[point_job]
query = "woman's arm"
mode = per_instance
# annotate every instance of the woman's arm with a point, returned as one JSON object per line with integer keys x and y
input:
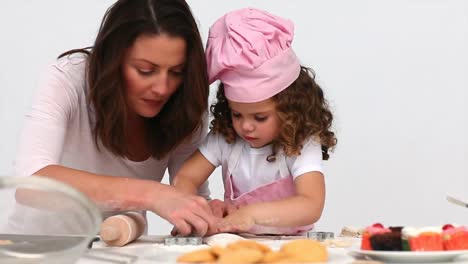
{"x": 193, "y": 173}
{"x": 109, "y": 192}
{"x": 304, "y": 208}
{"x": 120, "y": 193}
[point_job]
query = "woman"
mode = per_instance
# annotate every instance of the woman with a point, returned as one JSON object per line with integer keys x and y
{"x": 110, "y": 119}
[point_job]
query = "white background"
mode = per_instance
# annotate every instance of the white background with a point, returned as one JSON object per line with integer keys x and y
{"x": 395, "y": 74}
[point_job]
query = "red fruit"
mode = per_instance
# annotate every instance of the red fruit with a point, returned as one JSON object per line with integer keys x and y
{"x": 378, "y": 225}
{"x": 447, "y": 227}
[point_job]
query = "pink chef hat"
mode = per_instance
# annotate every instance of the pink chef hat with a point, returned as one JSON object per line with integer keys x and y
{"x": 249, "y": 51}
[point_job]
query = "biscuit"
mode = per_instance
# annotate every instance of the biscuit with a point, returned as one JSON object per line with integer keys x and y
{"x": 202, "y": 255}
{"x": 305, "y": 250}
{"x": 288, "y": 260}
{"x": 218, "y": 251}
{"x": 240, "y": 255}
{"x": 249, "y": 244}
{"x": 273, "y": 256}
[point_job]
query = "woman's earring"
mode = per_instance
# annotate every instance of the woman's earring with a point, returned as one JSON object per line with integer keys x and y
{"x": 271, "y": 158}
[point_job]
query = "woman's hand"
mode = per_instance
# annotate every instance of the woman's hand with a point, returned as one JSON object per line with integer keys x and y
{"x": 219, "y": 209}
{"x": 189, "y": 214}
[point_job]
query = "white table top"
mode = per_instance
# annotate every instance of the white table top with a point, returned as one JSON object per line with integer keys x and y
{"x": 151, "y": 249}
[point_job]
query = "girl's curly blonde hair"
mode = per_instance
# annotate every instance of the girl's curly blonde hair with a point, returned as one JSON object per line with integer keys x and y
{"x": 302, "y": 110}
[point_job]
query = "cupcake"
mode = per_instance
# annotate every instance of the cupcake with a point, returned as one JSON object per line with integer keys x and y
{"x": 388, "y": 241}
{"x": 371, "y": 231}
{"x": 455, "y": 238}
{"x": 422, "y": 239}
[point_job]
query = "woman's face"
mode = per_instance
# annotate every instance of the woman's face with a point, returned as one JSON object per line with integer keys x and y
{"x": 153, "y": 69}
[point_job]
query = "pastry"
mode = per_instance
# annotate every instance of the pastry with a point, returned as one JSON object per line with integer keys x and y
{"x": 222, "y": 239}
{"x": 455, "y": 238}
{"x": 423, "y": 239}
{"x": 370, "y": 231}
{"x": 389, "y": 241}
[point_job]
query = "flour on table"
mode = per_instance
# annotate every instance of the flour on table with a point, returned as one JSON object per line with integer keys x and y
{"x": 180, "y": 248}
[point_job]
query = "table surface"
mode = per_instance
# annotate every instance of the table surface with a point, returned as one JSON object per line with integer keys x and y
{"x": 151, "y": 249}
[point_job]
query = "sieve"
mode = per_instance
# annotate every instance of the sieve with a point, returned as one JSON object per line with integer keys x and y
{"x": 44, "y": 221}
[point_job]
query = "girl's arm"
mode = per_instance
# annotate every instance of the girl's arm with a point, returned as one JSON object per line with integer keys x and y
{"x": 304, "y": 208}
{"x": 193, "y": 173}
{"x": 183, "y": 153}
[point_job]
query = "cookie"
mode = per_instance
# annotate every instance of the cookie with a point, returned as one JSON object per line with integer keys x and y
{"x": 240, "y": 255}
{"x": 218, "y": 251}
{"x": 202, "y": 255}
{"x": 249, "y": 244}
{"x": 273, "y": 256}
{"x": 305, "y": 250}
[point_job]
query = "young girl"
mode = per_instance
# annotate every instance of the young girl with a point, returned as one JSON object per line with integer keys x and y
{"x": 270, "y": 131}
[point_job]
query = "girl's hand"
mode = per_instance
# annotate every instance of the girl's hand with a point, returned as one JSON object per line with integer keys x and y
{"x": 241, "y": 220}
{"x": 220, "y": 208}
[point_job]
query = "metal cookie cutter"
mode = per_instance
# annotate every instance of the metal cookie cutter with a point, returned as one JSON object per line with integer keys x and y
{"x": 182, "y": 241}
{"x": 320, "y": 236}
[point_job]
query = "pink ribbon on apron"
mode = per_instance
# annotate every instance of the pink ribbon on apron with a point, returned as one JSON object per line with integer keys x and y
{"x": 277, "y": 190}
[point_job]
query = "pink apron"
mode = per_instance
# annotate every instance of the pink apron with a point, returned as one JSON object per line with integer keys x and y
{"x": 277, "y": 190}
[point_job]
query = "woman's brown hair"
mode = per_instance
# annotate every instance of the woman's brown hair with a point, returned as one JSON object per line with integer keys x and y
{"x": 183, "y": 114}
{"x": 302, "y": 110}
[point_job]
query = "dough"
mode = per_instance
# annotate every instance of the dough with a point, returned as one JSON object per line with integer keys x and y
{"x": 222, "y": 239}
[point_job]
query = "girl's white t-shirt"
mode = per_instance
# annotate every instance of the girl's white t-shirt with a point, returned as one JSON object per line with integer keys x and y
{"x": 58, "y": 131}
{"x": 253, "y": 170}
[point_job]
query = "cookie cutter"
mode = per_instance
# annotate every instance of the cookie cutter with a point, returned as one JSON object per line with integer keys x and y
{"x": 183, "y": 241}
{"x": 320, "y": 236}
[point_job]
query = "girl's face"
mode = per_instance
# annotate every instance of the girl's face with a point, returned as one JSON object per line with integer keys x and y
{"x": 257, "y": 123}
{"x": 153, "y": 69}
